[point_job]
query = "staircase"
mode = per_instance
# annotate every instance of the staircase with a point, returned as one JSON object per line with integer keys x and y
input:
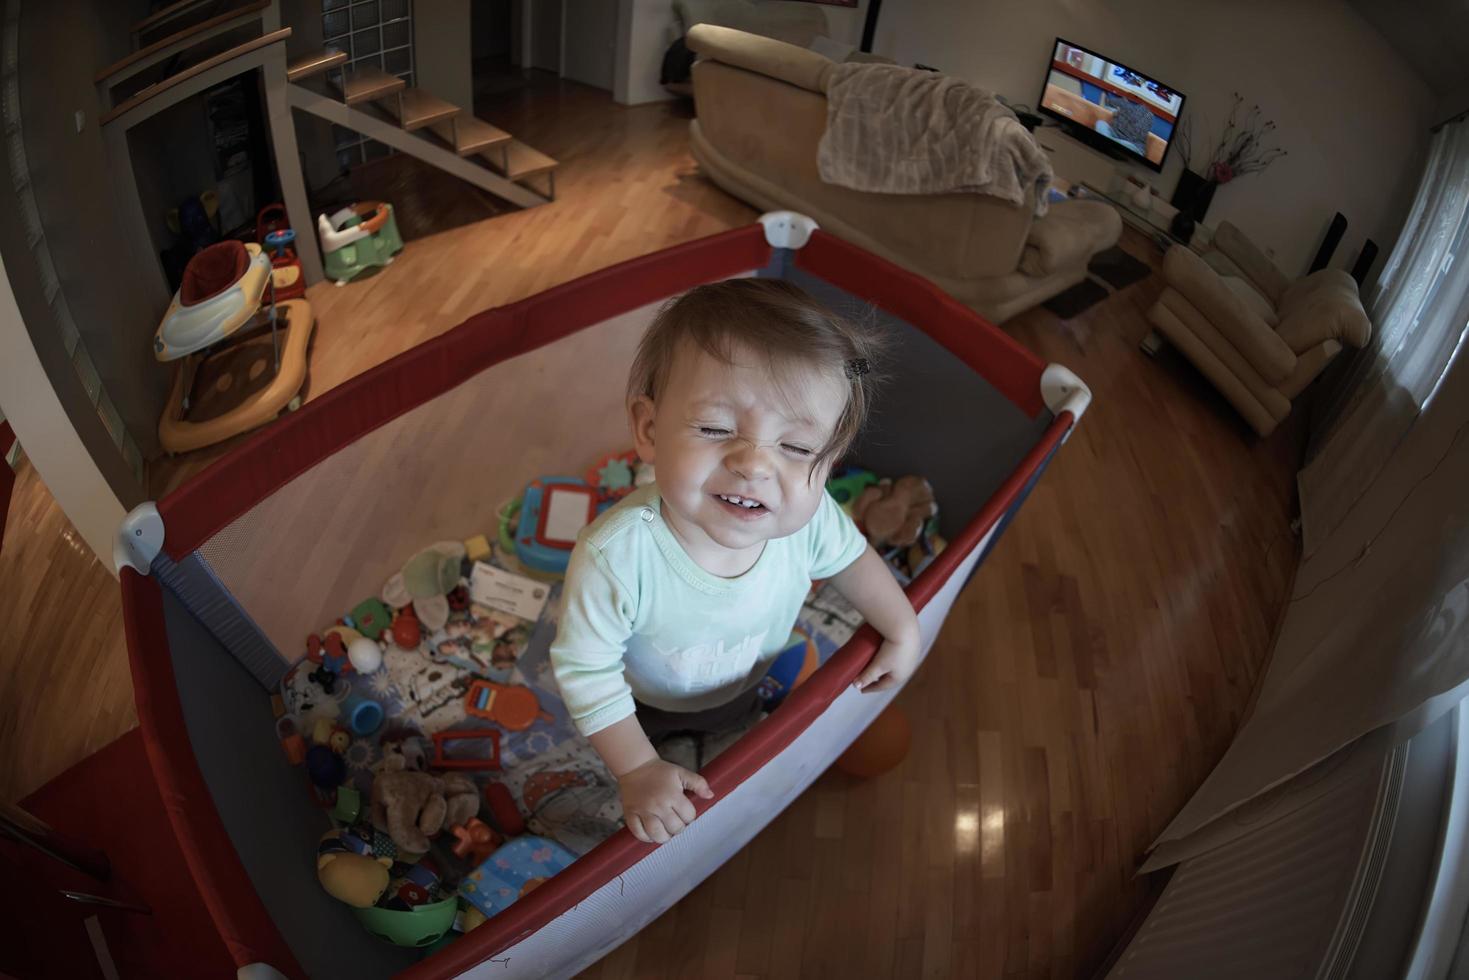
{"x": 191, "y": 45}
{"x": 414, "y": 121}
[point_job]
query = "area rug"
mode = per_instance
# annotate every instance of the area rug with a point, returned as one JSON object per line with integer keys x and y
{"x": 1076, "y": 300}
{"x": 1117, "y": 269}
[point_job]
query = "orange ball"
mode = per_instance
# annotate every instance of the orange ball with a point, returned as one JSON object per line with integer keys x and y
{"x": 881, "y": 747}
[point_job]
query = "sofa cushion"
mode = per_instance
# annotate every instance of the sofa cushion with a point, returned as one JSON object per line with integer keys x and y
{"x": 1070, "y": 234}
{"x": 777, "y": 59}
{"x": 1256, "y": 264}
{"x": 793, "y": 23}
{"x": 1252, "y": 298}
{"x": 1323, "y": 306}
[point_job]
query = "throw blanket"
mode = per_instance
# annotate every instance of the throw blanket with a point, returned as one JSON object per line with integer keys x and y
{"x": 904, "y": 131}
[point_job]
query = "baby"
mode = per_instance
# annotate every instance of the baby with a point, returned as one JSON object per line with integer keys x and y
{"x": 742, "y": 395}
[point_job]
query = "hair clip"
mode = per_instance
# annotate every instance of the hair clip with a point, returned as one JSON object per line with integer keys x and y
{"x": 857, "y": 367}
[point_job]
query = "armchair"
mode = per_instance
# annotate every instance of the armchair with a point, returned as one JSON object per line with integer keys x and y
{"x": 1257, "y": 336}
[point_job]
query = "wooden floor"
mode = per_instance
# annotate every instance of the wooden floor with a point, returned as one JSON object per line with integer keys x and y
{"x": 1085, "y": 683}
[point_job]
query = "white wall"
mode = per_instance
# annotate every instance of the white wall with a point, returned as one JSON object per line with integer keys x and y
{"x": 441, "y": 51}
{"x": 645, "y": 29}
{"x": 1351, "y": 112}
{"x": 45, "y": 432}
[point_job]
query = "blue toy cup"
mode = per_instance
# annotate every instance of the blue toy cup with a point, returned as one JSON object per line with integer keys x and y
{"x": 362, "y": 715}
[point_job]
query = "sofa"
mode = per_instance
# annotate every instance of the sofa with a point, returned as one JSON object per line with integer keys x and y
{"x": 761, "y": 107}
{"x": 799, "y": 23}
{"x": 1258, "y": 337}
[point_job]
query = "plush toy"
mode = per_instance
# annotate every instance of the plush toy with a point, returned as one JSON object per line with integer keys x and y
{"x": 349, "y": 875}
{"x": 414, "y": 806}
{"x": 894, "y": 512}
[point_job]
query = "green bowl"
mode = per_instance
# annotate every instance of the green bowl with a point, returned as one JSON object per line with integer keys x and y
{"x": 422, "y": 926}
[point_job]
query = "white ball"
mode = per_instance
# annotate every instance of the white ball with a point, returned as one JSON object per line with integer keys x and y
{"x": 365, "y": 655}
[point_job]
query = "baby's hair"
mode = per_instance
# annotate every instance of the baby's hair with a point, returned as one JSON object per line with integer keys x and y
{"x": 774, "y": 319}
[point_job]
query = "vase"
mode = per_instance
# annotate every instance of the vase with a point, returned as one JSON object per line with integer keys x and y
{"x": 1193, "y": 194}
{"x": 1182, "y": 225}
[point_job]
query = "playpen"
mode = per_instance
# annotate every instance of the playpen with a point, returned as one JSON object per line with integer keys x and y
{"x": 231, "y": 571}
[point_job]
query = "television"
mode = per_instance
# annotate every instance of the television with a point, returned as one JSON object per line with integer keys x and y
{"x": 1109, "y": 106}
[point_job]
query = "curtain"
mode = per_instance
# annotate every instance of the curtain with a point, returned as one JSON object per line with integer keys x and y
{"x": 1419, "y": 313}
{"x": 1375, "y": 641}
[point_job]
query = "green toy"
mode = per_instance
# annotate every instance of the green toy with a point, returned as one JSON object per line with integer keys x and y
{"x": 846, "y": 486}
{"x": 370, "y": 617}
{"x": 358, "y": 237}
{"x": 421, "y": 926}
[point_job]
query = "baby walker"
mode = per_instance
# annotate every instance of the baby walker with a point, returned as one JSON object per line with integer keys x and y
{"x": 357, "y": 238}
{"x": 219, "y": 299}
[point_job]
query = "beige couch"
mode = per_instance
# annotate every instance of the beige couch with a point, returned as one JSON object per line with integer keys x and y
{"x": 1260, "y": 338}
{"x": 761, "y": 114}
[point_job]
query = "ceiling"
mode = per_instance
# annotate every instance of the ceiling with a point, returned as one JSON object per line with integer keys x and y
{"x": 1432, "y": 36}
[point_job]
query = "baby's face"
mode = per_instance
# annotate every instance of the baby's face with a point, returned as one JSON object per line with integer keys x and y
{"x": 733, "y": 449}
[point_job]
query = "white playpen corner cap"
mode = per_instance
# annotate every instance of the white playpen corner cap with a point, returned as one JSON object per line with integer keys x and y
{"x": 1063, "y": 391}
{"x": 787, "y": 229}
{"x": 139, "y": 539}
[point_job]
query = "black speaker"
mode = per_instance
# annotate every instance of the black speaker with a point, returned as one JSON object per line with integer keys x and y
{"x": 1330, "y": 242}
{"x": 1365, "y": 258}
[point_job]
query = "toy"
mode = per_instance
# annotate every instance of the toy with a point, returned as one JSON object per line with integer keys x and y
{"x": 364, "y": 715}
{"x": 222, "y": 291}
{"x": 615, "y": 476}
{"x": 290, "y": 738}
{"x": 414, "y": 806}
{"x": 513, "y": 871}
{"x": 470, "y": 918}
{"x": 414, "y": 928}
{"x": 880, "y": 748}
{"x": 372, "y": 616}
{"x": 348, "y": 806}
{"x": 477, "y": 548}
{"x": 442, "y": 760}
{"x": 277, "y": 705}
{"x": 402, "y": 750}
{"x": 503, "y": 812}
{"x": 474, "y": 840}
{"x": 412, "y": 886}
{"x": 552, "y": 511}
{"x": 330, "y": 734}
{"x": 347, "y": 874}
{"x": 406, "y": 631}
{"x": 796, "y": 662}
{"x": 356, "y": 238}
{"x": 895, "y": 512}
{"x": 513, "y": 707}
{"x": 363, "y": 654}
{"x": 273, "y": 230}
{"x": 325, "y": 768}
{"x": 330, "y": 653}
{"x": 848, "y": 484}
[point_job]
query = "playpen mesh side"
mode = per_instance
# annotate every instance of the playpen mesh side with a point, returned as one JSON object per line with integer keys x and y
{"x": 264, "y": 804}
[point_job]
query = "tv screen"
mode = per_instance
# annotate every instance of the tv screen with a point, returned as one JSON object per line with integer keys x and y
{"x": 1109, "y": 105}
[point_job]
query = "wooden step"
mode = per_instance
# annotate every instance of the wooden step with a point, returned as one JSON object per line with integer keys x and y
{"x": 419, "y": 109}
{"x": 519, "y": 161}
{"x": 473, "y": 134}
{"x": 314, "y": 64}
{"x": 369, "y": 84}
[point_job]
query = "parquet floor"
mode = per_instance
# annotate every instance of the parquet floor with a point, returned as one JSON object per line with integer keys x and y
{"x": 1085, "y": 683}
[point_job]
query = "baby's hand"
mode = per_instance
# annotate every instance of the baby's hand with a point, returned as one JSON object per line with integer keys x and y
{"x": 894, "y": 664}
{"x": 653, "y": 800}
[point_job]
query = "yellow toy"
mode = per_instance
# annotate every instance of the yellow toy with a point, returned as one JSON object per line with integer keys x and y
{"x": 477, "y": 547}
{"x": 348, "y": 876}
